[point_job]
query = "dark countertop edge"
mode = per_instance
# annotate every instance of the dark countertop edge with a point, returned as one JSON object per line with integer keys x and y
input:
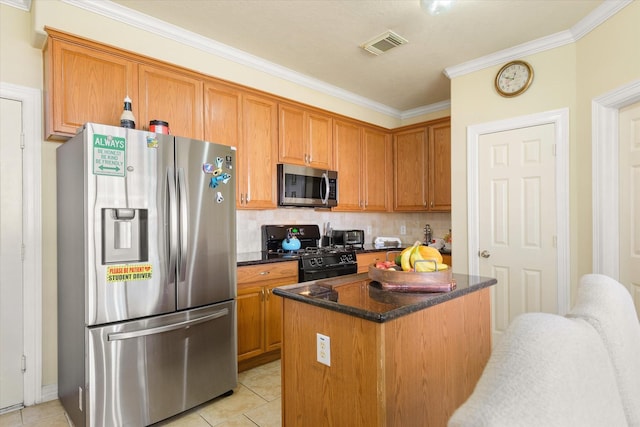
{"x": 479, "y": 283}
{"x": 256, "y": 258}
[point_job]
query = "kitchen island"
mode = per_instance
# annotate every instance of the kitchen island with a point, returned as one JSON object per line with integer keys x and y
{"x": 391, "y": 359}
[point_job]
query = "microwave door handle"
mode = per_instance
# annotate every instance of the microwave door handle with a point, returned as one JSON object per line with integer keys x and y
{"x": 172, "y": 213}
{"x": 325, "y": 199}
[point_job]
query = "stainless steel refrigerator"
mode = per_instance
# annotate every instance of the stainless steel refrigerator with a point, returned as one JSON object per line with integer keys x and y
{"x": 146, "y": 275}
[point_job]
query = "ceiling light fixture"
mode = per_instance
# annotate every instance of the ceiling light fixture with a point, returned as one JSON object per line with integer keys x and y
{"x": 435, "y": 7}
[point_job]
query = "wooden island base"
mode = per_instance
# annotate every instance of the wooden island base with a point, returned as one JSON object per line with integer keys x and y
{"x": 414, "y": 370}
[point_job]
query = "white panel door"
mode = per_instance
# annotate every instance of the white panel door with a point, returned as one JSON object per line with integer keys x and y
{"x": 517, "y": 221}
{"x": 11, "y": 281}
{"x": 629, "y": 174}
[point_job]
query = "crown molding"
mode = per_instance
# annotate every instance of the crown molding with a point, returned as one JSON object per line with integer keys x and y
{"x": 599, "y": 15}
{"x": 20, "y": 4}
{"x": 426, "y": 109}
{"x": 172, "y": 32}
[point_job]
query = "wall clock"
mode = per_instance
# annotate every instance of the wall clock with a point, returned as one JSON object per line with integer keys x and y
{"x": 514, "y": 78}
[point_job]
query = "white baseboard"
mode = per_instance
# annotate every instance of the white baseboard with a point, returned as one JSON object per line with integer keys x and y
{"x": 49, "y": 392}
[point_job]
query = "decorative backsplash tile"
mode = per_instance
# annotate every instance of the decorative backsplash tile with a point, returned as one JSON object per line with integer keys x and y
{"x": 382, "y": 224}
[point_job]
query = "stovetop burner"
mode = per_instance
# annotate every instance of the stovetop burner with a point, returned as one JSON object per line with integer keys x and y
{"x": 314, "y": 262}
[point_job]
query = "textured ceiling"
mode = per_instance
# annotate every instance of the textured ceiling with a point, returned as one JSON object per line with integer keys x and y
{"x": 321, "y": 38}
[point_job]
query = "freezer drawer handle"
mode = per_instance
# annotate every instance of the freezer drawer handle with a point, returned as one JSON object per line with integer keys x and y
{"x": 160, "y": 329}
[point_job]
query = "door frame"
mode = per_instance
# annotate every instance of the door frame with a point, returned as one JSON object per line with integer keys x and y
{"x": 559, "y": 118}
{"x": 604, "y": 187}
{"x": 31, "y": 100}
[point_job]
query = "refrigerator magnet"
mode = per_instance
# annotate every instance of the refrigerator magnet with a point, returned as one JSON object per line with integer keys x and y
{"x": 152, "y": 141}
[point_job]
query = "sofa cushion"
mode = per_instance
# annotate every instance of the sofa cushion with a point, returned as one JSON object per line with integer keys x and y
{"x": 607, "y": 305}
{"x": 547, "y": 370}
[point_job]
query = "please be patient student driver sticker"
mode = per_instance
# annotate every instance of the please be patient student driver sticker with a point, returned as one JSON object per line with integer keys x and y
{"x": 129, "y": 272}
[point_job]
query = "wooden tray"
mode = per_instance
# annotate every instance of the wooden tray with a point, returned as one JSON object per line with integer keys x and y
{"x": 413, "y": 281}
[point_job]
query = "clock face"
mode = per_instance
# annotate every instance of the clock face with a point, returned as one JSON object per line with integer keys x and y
{"x": 514, "y": 78}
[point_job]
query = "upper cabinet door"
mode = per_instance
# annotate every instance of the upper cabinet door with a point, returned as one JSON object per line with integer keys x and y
{"x": 258, "y": 153}
{"x": 320, "y": 140}
{"x": 440, "y": 167}
{"x": 409, "y": 150}
{"x": 348, "y": 160}
{"x": 292, "y": 145}
{"x": 171, "y": 96}
{"x": 85, "y": 85}
{"x": 377, "y": 169}
{"x": 222, "y": 114}
{"x": 304, "y": 137}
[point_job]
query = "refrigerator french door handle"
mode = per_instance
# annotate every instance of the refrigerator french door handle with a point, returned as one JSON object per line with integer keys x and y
{"x": 173, "y": 223}
{"x": 117, "y": 336}
{"x": 325, "y": 199}
{"x": 184, "y": 223}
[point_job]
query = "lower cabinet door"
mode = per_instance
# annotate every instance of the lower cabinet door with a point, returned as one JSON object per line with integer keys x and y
{"x": 250, "y": 323}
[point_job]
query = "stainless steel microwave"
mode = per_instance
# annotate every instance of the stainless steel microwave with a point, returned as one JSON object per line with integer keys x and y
{"x": 306, "y": 187}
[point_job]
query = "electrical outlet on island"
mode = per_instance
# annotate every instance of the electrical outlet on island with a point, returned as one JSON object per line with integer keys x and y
{"x": 323, "y": 349}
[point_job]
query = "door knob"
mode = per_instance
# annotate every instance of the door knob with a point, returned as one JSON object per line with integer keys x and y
{"x": 484, "y": 254}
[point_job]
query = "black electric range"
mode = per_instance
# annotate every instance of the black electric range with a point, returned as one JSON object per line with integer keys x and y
{"x": 314, "y": 262}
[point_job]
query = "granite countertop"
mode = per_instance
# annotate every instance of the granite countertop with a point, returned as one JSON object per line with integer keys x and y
{"x": 359, "y": 296}
{"x": 259, "y": 257}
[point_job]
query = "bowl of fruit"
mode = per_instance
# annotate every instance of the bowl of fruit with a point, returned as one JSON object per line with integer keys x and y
{"x": 417, "y": 268}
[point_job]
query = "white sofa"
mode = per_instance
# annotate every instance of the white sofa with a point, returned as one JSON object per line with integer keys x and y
{"x": 582, "y": 369}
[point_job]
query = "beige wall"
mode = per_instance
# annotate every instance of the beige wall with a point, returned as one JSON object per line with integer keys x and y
{"x": 566, "y": 77}
{"x": 608, "y": 58}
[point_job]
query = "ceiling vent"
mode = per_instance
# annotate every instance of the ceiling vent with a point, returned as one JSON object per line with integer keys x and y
{"x": 383, "y": 43}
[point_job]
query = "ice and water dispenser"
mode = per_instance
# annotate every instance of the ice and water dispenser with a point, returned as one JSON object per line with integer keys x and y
{"x": 124, "y": 235}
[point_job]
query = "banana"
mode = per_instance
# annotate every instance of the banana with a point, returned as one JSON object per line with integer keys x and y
{"x": 415, "y": 257}
{"x": 421, "y": 258}
{"x": 405, "y": 259}
{"x": 405, "y": 256}
{"x": 429, "y": 266}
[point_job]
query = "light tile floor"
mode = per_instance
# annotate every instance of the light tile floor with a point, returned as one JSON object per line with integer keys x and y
{"x": 255, "y": 402}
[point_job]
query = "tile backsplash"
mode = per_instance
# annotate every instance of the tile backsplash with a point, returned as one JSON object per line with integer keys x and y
{"x": 380, "y": 224}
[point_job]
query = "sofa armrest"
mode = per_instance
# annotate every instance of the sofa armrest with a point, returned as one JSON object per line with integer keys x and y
{"x": 607, "y": 305}
{"x": 547, "y": 370}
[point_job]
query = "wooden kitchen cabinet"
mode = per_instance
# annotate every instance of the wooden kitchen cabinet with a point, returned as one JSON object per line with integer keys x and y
{"x": 413, "y": 370}
{"x": 304, "y": 137}
{"x": 257, "y": 153}
{"x": 422, "y": 169}
{"x": 236, "y": 117}
{"x": 362, "y": 159}
{"x": 377, "y": 170}
{"x": 367, "y": 258}
{"x": 348, "y": 163}
{"x": 222, "y": 114}
{"x": 173, "y": 96}
{"x": 85, "y": 83}
{"x": 439, "y": 156}
{"x": 260, "y": 312}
